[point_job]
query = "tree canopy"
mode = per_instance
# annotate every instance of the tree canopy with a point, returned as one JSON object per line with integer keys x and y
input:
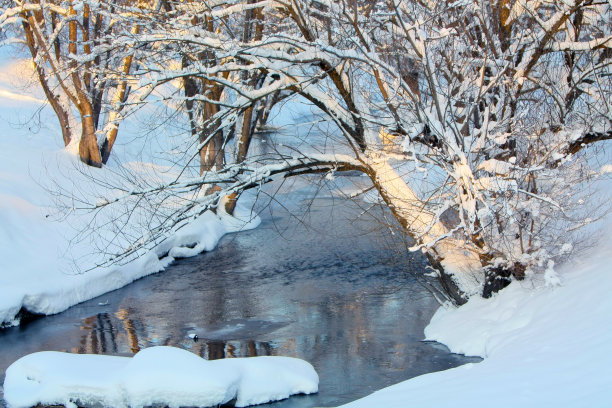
{"x": 491, "y": 105}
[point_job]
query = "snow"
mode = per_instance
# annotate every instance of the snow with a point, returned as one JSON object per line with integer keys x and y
{"x": 37, "y": 270}
{"x": 495, "y": 167}
{"x": 544, "y": 343}
{"x": 44, "y": 256}
{"x": 154, "y": 376}
{"x": 543, "y": 346}
{"x": 606, "y": 168}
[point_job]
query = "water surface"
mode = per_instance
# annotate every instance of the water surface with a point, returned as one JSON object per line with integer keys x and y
{"x": 319, "y": 282}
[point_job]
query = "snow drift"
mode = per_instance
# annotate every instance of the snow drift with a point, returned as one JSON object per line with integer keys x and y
{"x": 165, "y": 376}
{"x": 45, "y": 256}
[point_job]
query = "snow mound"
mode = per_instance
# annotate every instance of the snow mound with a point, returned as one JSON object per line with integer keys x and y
{"x": 156, "y": 376}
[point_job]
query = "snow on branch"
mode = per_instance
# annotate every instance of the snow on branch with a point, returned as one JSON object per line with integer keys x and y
{"x": 194, "y": 201}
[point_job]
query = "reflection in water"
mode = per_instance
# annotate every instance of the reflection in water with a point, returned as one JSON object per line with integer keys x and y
{"x": 99, "y": 336}
{"x": 102, "y": 333}
{"x": 124, "y": 316}
{"x": 334, "y": 299}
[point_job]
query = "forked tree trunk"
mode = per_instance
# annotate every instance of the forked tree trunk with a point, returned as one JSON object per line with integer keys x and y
{"x": 81, "y": 94}
{"x": 89, "y": 152}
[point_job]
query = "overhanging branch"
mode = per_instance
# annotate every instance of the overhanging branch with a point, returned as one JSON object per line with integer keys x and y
{"x": 587, "y": 139}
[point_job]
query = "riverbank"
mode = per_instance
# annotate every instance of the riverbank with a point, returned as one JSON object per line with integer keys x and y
{"x": 543, "y": 347}
{"x": 46, "y": 254}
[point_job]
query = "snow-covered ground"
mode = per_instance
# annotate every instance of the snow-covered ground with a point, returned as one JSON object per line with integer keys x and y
{"x": 43, "y": 253}
{"x": 543, "y": 347}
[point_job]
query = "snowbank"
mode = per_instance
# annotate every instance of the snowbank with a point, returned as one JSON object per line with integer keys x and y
{"x": 157, "y": 376}
{"x": 41, "y": 257}
{"x": 44, "y": 255}
{"x": 543, "y": 347}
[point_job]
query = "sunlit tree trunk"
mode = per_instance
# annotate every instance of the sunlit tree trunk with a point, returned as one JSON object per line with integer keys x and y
{"x": 57, "y": 35}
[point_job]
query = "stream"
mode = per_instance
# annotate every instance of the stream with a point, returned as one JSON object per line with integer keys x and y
{"x": 318, "y": 280}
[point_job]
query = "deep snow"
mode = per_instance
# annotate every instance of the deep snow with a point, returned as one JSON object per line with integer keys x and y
{"x": 43, "y": 259}
{"x": 543, "y": 347}
{"x": 44, "y": 254}
{"x": 156, "y": 376}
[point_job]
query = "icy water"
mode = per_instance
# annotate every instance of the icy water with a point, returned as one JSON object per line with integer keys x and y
{"x": 318, "y": 283}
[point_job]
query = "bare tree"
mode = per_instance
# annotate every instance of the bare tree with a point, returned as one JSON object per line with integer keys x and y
{"x": 79, "y": 72}
{"x": 205, "y": 75}
{"x": 472, "y": 120}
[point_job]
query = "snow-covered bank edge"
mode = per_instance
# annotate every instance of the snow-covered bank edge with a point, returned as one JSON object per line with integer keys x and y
{"x": 203, "y": 234}
{"x": 543, "y": 347}
{"x": 43, "y": 257}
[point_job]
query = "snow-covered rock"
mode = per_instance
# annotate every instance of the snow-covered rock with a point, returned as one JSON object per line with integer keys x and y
{"x": 154, "y": 376}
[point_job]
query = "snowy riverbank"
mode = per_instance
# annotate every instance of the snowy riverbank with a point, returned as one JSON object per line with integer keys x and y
{"x": 543, "y": 347}
{"x": 44, "y": 253}
{"x": 43, "y": 256}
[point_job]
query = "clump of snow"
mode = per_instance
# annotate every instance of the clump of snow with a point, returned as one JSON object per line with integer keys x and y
{"x": 606, "y": 168}
{"x": 543, "y": 346}
{"x": 495, "y": 166}
{"x": 271, "y": 378}
{"x": 165, "y": 376}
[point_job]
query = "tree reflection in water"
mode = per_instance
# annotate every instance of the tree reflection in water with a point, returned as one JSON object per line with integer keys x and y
{"x": 123, "y": 333}
{"x": 334, "y": 298}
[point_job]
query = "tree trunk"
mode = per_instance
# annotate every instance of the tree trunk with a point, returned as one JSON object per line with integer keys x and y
{"x": 242, "y": 149}
{"x": 457, "y": 261}
{"x": 119, "y": 98}
{"x": 212, "y": 155}
{"x": 109, "y": 141}
{"x": 449, "y": 286}
{"x": 89, "y": 152}
{"x": 61, "y": 113}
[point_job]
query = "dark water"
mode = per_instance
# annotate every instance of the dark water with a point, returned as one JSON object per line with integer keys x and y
{"x": 322, "y": 285}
